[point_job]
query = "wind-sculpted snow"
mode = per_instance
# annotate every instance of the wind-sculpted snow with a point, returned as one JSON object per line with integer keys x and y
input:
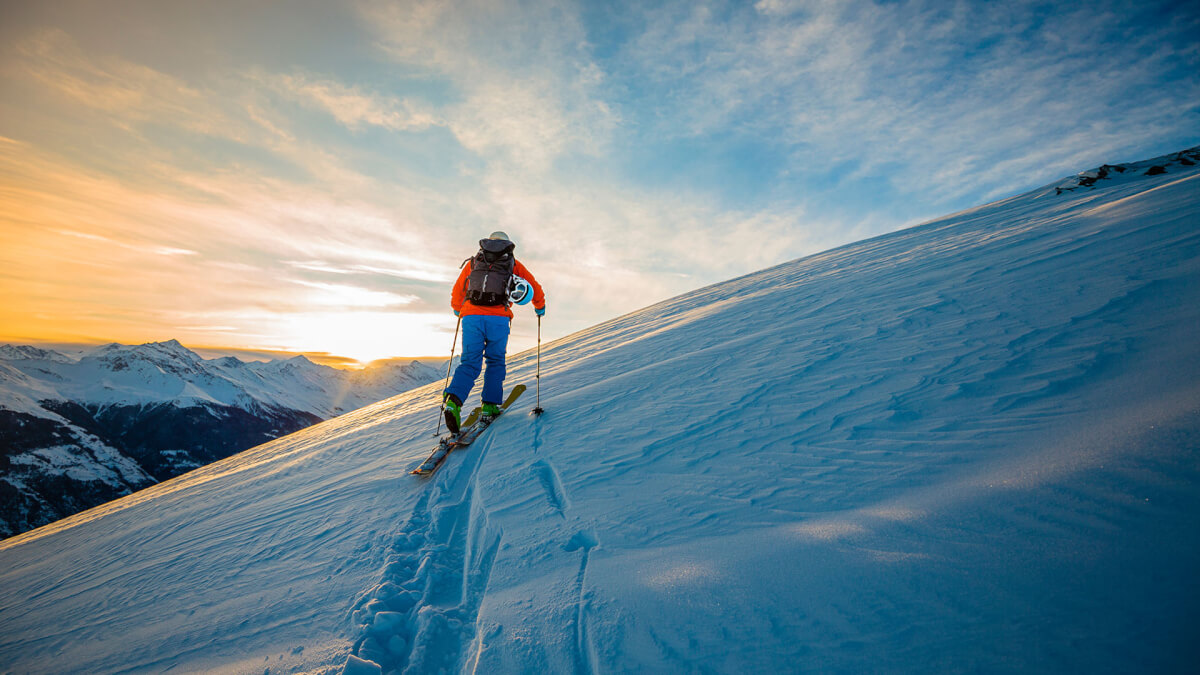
{"x": 968, "y": 446}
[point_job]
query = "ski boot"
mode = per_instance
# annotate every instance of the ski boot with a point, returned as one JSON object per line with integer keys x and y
{"x": 452, "y": 408}
{"x": 488, "y": 412}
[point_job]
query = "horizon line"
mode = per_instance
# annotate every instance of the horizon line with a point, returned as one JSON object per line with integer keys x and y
{"x": 211, "y": 352}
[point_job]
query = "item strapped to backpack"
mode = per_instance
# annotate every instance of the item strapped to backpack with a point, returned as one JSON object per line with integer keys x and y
{"x": 519, "y": 291}
{"x": 491, "y": 271}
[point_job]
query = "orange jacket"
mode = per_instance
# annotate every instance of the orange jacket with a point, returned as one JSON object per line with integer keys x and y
{"x": 458, "y": 296}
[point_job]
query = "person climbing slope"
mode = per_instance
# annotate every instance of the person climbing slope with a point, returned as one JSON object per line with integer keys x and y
{"x": 490, "y": 282}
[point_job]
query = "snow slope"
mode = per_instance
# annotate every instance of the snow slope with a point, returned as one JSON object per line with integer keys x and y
{"x": 968, "y": 446}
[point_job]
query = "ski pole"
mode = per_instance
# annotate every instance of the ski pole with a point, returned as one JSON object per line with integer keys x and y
{"x": 453, "y": 344}
{"x": 538, "y": 410}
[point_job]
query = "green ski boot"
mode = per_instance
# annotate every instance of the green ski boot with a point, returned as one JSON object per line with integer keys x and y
{"x": 452, "y": 408}
{"x": 489, "y": 412}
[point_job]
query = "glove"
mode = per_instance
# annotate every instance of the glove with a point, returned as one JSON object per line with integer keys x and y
{"x": 456, "y": 312}
{"x": 540, "y": 311}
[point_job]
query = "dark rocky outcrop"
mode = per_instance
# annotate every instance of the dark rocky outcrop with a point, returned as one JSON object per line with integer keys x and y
{"x": 1154, "y": 167}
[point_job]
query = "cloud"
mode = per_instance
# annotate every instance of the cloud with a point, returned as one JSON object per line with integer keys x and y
{"x": 349, "y": 297}
{"x": 531, "y": 98}
{"x": 88, "y": 255}
{"x": 142, "y": 248}
{"x": 930, "y": 95}
{"x": 128, "y": 92}
{"x": 409, "y": 268}
{"x": 354, "y": 107}
{"x": 529, "y": 91}
{"x": 635, "y": 151}
{"x": 605, "y": 250}
{"x": 936, "y": 104}
{"x": 526, "y": 120}
{"x": 163, "y": 223}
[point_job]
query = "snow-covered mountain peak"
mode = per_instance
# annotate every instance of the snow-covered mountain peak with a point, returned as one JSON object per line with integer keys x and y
{"x": 170, "y": 346}
{"x": 152, "y": 361}
{"x": 169, "y": 349}
{"x": 158, "y": 405}
{"x": 168, "y": 371}
{"x": 228, "y": 362}
{"x": 295, "y": 364}
{"x": 30, "y": 353}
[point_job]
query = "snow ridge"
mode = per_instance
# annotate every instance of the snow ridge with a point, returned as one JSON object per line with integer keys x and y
{"x": 1159, "y": 166}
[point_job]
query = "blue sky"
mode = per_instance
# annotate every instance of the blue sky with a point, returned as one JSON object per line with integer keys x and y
{"x": 307, "y": 176}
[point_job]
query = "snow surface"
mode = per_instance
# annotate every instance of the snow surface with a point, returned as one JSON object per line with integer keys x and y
{"x": 103, "y": 463}
{"x": 21, "y": 393}
{"x": 968, "y": 446}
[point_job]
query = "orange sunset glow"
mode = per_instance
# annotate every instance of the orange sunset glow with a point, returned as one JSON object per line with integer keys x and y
{"x": 91, "y": 258}
{"x": 308, "y": 178}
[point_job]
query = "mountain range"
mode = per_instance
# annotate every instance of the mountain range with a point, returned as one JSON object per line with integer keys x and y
{"x": 76, "y": 432}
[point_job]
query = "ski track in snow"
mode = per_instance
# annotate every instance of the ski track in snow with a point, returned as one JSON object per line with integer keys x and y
{"x": 421, "y": 617}
{"x": 556, "y": 496}
{"x": 583, "y": 542}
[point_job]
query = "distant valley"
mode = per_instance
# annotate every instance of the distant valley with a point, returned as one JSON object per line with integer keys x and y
{"x": 76, "y": 432}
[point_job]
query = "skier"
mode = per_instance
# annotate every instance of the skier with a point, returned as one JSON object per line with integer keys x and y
{"x": 489, "y": 284}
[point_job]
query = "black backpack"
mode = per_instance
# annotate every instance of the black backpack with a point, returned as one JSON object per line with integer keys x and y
{"x": 491, "y": 271}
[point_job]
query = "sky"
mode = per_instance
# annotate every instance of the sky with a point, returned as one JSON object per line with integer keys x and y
{"x": 308, "y": 176}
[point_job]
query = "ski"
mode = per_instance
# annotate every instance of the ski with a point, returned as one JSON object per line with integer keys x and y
{"x": 470, "y": 430}
{"x": 470, "y": 421}
{"x": 446, "y": 444}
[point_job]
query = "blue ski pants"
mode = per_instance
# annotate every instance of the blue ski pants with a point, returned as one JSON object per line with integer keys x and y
{"x": 483, "y": 338}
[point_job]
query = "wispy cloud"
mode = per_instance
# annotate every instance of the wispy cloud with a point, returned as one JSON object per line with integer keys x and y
{"x": 531, "y": 97}
{"x": 929, "y": 95}
{"x": 354, "y": 107}
{"x": 528, "y": 89}
{"x": 128, "y": 92}
{"x": 347, "y": 296}
{"x": 87, "y": 255}
{"x": 634, "y": 151}
{"x": 142, "y": 248}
